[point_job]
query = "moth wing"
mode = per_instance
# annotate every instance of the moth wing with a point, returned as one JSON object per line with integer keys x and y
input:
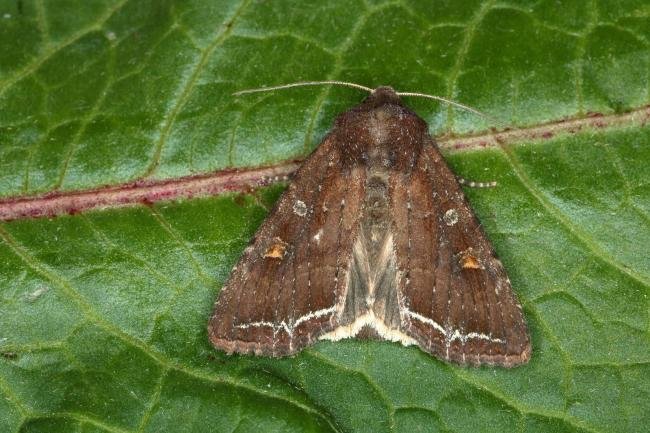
{"x": 455, "y": 298}
{"x": 286, "y": 288}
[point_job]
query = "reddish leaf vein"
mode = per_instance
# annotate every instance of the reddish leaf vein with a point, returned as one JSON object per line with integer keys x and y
{"x": 244, "y": 180}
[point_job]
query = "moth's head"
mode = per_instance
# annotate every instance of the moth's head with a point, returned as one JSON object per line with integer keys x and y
{"x": 380, "y": 96}
{"x": 381, "y": 131}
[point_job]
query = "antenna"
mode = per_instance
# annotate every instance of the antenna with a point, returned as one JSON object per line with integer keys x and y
{"x": 450, "y": 102}
{"x": 304, "y": 84}
{"x": 369, "y": 90}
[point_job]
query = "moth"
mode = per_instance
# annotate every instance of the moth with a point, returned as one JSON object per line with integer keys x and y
{"x": 373, "y": 238}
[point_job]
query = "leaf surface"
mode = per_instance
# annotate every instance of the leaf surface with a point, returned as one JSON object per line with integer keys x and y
{"x": 103, "y": 313}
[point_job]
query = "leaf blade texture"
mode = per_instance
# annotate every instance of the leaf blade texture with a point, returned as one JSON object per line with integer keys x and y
{"x": 106, "y": 309}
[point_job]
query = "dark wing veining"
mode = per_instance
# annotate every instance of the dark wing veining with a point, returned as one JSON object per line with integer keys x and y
{"x": 455, "y": 298}
{"x": 277, "y": 301}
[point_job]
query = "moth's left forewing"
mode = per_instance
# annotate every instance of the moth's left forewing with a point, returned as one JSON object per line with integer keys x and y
{"x": 288, "y": 285}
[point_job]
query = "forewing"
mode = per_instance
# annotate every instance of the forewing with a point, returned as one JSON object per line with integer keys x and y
{"x": 288, "y": 285}
{"x": 455, "y": 298}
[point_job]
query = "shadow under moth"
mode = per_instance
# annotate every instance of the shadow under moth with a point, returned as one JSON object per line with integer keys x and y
{"x": 373, "y": 238}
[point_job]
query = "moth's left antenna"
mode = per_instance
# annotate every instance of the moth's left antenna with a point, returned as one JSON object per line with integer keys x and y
{"x": 303, "y": 84}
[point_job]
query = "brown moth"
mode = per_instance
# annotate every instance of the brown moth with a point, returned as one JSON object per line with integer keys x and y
{"x": 373, "y": 237}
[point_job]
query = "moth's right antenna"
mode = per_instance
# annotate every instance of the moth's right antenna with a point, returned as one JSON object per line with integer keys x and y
{"x": 454, "y": 103}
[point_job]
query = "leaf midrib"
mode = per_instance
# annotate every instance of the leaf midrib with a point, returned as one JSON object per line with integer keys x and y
{"x": 224, "y": 180}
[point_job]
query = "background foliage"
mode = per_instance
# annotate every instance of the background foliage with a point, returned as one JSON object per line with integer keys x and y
{"x": 103, "y": 314}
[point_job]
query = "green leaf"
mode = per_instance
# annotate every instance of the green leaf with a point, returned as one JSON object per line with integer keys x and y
{"x": 103, "y": 314}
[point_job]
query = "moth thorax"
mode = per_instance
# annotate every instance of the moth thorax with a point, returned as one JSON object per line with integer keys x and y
{"x": 387, "y": 136}
{"x": 396, "y": 138}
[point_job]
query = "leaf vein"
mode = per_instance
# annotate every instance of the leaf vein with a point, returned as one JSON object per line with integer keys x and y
{"x": 112, "y": 329}
{"x": 578, "y": 234}
{"x": 187, "y": 87}
{"x": 39, "y": 61}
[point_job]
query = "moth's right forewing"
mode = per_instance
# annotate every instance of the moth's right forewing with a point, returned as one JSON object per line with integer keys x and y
{"x": 456, "y": 300}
